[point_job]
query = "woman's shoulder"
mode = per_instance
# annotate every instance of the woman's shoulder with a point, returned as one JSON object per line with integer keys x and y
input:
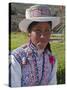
{"x": 19, "y": 53}
{"x": 20, "y": 49}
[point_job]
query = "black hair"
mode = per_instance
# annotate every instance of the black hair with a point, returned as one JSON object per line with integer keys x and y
{"x": 31, "y": 25}
{"x": 30, "y": 29}
{"x": 35, "y": 23}
{"x": 48, "y": 47}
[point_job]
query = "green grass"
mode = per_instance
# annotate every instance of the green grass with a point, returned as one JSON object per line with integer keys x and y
{"x": 59, "y": 52}
{"x": 18, "y": 38}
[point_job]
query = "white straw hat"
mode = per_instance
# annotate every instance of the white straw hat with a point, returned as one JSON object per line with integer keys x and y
{"x": 39, "y": 13}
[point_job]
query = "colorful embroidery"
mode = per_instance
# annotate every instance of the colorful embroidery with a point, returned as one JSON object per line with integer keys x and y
{"x": 31, "y": 75}
{"x": 51, "y": 59}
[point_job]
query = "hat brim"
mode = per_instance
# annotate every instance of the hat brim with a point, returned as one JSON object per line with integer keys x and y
{"x": 23, "y": 25}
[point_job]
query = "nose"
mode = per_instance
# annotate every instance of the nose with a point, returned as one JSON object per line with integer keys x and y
{"x": 41, "y": 36}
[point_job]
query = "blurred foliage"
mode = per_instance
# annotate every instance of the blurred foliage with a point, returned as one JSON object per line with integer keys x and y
{"x": 61, "y": 76}
{"x": 59, "y": 52}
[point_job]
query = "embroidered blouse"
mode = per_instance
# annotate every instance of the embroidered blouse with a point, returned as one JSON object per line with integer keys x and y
{"x": 30, "y": 67}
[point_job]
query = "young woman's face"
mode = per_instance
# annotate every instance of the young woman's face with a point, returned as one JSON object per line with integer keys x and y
{"x": 40, "y": 35}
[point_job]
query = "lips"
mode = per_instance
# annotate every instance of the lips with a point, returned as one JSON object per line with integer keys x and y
{"x": 40, "y": 45}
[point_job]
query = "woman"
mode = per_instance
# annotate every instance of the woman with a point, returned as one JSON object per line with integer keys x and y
{"x": 34, "y": 63}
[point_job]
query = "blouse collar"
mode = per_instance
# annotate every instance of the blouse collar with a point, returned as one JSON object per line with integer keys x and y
{"x": 34, "y": 48}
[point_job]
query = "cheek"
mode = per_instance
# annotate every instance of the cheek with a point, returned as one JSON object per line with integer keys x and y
{"x": 33, "y": 36}
{"x": 47, "y": 37}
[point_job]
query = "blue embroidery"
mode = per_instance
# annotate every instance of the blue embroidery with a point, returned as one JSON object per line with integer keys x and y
{"x": 30, "y": 55}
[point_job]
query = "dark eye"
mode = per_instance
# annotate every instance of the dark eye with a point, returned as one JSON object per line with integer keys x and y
{"x": 47, "y": 30}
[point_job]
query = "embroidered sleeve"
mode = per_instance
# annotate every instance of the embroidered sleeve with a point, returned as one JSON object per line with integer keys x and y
{"x": 53, "y": 79}
{"x": 15, "y": 72}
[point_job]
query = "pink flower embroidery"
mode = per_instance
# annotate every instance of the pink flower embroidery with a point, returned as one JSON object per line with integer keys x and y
{"x": 51, "y": 59}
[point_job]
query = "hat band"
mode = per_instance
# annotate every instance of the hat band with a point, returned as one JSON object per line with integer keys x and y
{"x": 39, "y": 12}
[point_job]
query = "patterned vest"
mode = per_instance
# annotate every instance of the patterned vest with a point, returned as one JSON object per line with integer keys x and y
{"x": 27, "y": 57}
